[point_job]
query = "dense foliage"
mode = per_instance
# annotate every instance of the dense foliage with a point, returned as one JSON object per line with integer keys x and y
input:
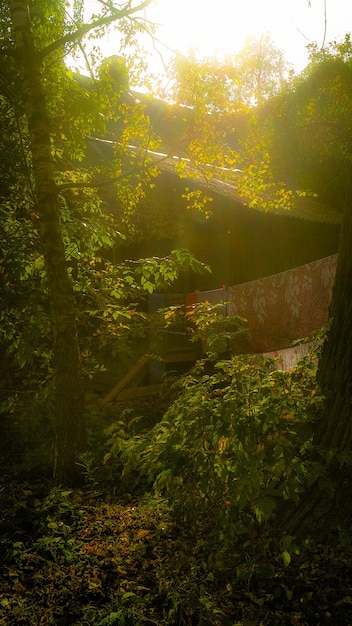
{"x": 180, "y": 534}
{"x": 307, "y": 126}
{"x": 77, "y": 558}
{"x": 93, "y": 204}
{"x": 235, "y": 443}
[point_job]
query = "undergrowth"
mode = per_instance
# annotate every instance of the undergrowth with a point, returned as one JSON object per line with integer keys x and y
{"x": 236, "y": 442}
{"x": 178, "y": 526}
{"x": 76, "y": 559}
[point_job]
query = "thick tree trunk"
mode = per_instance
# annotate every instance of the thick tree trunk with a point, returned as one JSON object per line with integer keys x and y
{"x": 70, "y": 422}
{"x": 328, "y": 504}
{"x": 335, "y": 368}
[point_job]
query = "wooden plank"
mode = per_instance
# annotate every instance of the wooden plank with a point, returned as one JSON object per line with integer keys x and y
{"x": 127, "y": 379}
{"x": 138, "y": 392}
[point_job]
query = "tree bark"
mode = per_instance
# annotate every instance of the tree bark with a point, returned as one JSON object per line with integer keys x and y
{"x": 327, "y": 504}
{"x": 69, "y": 418}
{"x": 335, "y": 368}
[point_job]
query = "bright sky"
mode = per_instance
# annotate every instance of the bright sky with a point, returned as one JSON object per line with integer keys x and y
{"x": 218, "y": 27}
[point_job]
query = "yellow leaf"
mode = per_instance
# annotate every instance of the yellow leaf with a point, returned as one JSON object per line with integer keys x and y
{"x": 288, "y": 416}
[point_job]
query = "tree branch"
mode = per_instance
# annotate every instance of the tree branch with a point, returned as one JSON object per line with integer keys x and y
{"x": 105, "y": 20}
{"x": 111, "y": 181}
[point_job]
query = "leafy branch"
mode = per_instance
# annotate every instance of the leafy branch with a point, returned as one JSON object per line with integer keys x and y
{"x": 111, "y": 181}
{"x": 105, "y": 20}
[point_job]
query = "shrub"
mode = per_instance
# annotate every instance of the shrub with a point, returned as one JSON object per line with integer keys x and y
{"x": 233, "y": 445}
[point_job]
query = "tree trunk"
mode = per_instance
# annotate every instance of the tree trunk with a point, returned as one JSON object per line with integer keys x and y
{"x": 327, "y": 505}
{"x": 69, "y": 401}
{"x": 335, "y": 368}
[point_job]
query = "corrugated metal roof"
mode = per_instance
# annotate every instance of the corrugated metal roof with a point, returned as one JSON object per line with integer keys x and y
{"x": 305, "y": 208}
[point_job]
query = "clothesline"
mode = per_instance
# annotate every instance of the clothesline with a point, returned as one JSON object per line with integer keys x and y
{"x": 279, "y": 309}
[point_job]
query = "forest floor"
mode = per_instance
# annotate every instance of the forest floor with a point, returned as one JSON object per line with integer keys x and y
{"x": 89, "y": 558}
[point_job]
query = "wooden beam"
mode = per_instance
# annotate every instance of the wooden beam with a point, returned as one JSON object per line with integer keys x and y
{"x": 127, "y": 379}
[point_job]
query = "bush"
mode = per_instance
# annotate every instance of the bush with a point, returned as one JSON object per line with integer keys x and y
{"x": 231, "y": 447}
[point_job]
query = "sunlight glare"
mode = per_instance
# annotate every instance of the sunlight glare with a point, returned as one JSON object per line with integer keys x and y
{"x": 220, "y": 28}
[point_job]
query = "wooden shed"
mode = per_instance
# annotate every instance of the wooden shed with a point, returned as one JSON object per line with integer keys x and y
{"x": 239, "y": 242}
